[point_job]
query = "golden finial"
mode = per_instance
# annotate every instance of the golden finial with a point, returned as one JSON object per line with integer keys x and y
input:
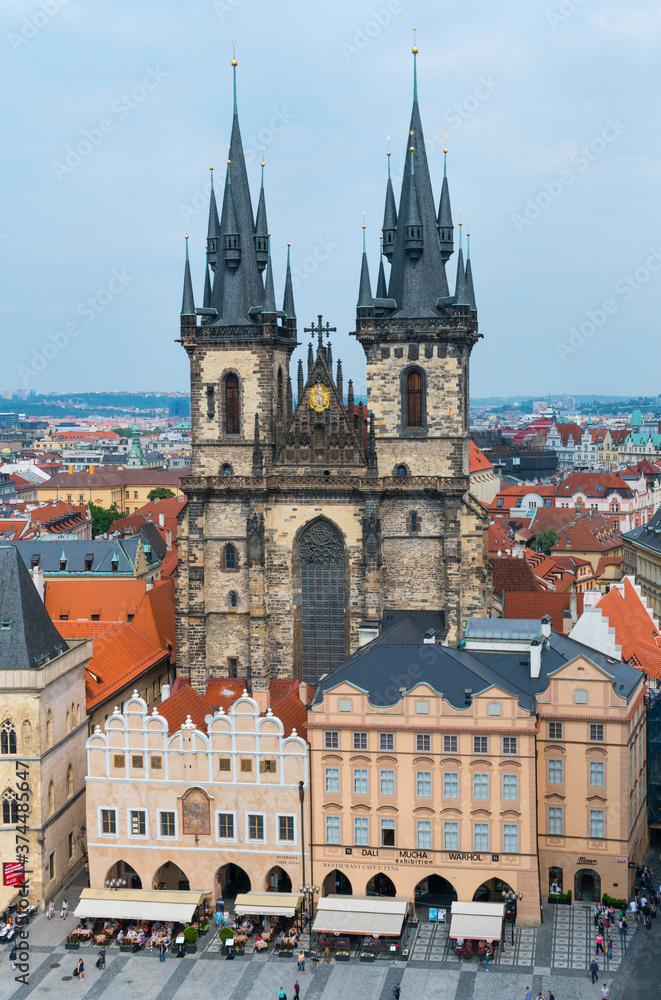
{"x": 445, "y": 148}
{"x": 228, "y": 162}
{"x": 468, "y": 232}
{"x": 263, "y": 151}
{"x": 234, "y": 62}
{"x": 364, "y": 226}
{"x": 211, "y": 155}
{"x": 289, "y": 240}
{"x": 411, "y": 132}
{"x": 414, "y": 50}
{"x": 388, "y": 151}
{"x": 412, "y": 149}
{"x": 186, "y": 230}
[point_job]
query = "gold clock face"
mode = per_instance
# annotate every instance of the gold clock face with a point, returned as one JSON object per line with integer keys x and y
{"x": 319, "y": 397}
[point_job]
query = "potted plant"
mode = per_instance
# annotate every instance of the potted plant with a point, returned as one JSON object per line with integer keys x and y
{"x": 71, "y": 943}
{"x": 367, "y": 956}
{"x": 285, "y": 952}
{"x": 203, "y": 928}
{"x": 342, "y": 956}
{"x": 126, "y": 945}
{"x": 225, "y": 934}
{"x": 190, "y": 937}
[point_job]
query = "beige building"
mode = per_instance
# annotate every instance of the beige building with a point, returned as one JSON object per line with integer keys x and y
{"x": 214, "y": 807}
{"x": 42, "y": 737}
{"x": 427, "y": 764}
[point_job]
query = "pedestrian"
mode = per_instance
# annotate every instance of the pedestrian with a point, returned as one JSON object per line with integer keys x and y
{"x": 600, "y": 925}
{"x": 549, "y": 996}
{"x": 595, "y": 913}
{"x": 64, "y": 909}
{"x": 594, "y": 969}
{"x": 12, "y": 958}
{"x": 609, "y": 948}
{"x": 161, "y": 951}
{"x": 101, "y": 960}
{"x": 487, "y": 956}
{"x": 605, "y": 992}
{"x": 397, "y": 990}
{"x": 301, "y": 962}
{"x": 633, "y": 906}
{"x": 281, "y": 994}
{"x": 528, "y": 994}
{"x": 80, "y": 970}
{"x": 51, "y": 910}
{"x": 313, "y": 961}
{"x": 620, "y": 926}
{"x": 599, "y": 945}
{"x": 297, "y": 990}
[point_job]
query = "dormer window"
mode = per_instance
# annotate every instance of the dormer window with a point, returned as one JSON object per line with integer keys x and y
{"x": 114, "y": 565}
{"x": 63, "y": 565}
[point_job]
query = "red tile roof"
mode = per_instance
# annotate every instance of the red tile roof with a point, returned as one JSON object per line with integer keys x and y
{"x": 288, "y": 707}
{"x": 183, "y": 703}
{"x": 538, "y": 605}
{"x": 635, "y": 629}
{"x": 222, "y": 692}
{"x": 119, "y": 657}
{"x": 510, "y": 575}
{"x": 478, "y": 460}
{"x": 13, "y": 528}
{"x": 569, "y": 430}
{"x": 155, "y": 616}
{"x": 593, "y": 484}
{"x": 112, "y": 600}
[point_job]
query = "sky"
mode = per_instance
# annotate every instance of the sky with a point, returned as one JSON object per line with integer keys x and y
{"x": 111, "y": 108}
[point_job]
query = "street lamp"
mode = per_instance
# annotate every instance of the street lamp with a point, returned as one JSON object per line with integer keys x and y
{"x": 510, "y": 896}
{"x": 308, "y": 892}
{"x": 116, "y": 883}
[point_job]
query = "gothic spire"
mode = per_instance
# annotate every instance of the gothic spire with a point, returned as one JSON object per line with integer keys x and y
{"x": 389, "y": 216}
{"x": 365, "y": 300}
{"x": 187, "y": 303}
{"x": 288, "y": 299}
{"x": 381, "y": 288}
{"x": 207, "y": 286}
{"x": 240, "y": 286}
{"x": 445, "y": 227}
{"x": 300, "y": 380}
{"x": 213, "y": 227}
{"x": 350, "y": 403}
{"x": 417, "y": 278}
{"x": 470, "y": 291}
{"x": 338, "y": 380}
{"x": 261, "y": 228}
{"x": 310, "y": 358}
{"x": 460, "y": 290}
{"x": 269, "y": 291}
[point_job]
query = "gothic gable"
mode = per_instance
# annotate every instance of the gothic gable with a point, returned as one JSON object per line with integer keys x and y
{"x": 320, "y": 431}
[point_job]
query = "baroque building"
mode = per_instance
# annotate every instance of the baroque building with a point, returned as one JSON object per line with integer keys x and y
{"x": 307, "y": 517}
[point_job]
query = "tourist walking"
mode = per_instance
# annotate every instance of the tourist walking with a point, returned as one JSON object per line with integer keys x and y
{"x": 594, "y": 969}
{"x": 12, "y": 958}
{"x": 599, "y": 945}
{"x": 161, "y": 951}
{"x": 528, "y": 994}
{"x": 51, "y": 910}
{"x": 101, "y": 960}
{"x": 487, "y": 956}
{"x": 80, "y": 970}
{"x": 397, "y": 990}
{"x": 297, "y": 990}
{"x": 281, "y": 994}
{"x": 609, "y": 948}
{"x": 64, "y": 909}
{"x": 605, "y": 992}
{"x": 313, "y": 961}
{"x": 301, "y": 962}
{"x": 633, "y": 906}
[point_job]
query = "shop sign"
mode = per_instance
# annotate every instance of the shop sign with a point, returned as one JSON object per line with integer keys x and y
{"x": 621, "y": 861}
{"x": 587, "y": 861}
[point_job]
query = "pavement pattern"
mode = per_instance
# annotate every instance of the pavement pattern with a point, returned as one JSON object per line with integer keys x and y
{"x": 554, "y": 956}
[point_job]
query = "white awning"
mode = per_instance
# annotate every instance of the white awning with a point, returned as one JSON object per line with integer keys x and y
{"x": 8, "y": 893}
{"x": 361, "y": 915}
{"x": 138, "y": 904}
{"x": 267, "y": 904}
{"x": 477, "y": 921}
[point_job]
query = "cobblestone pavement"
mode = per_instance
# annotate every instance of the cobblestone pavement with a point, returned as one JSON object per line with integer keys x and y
{"x": 555, "y": 956}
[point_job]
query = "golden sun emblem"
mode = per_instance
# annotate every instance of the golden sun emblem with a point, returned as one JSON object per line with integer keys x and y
{"x": 319, "y": 397}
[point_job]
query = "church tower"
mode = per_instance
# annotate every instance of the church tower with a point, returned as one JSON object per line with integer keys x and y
{"x": 308, "y": 517}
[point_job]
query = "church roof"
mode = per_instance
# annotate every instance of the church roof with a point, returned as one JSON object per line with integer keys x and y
{"x": 28, "y": 638}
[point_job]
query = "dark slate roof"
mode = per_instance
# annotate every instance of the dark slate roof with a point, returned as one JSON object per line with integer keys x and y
{"x": 76, "y": 551}
{"x": 27, "y": 635}
{"x": 647, "y": 535}
{"x": 398, "y": 660}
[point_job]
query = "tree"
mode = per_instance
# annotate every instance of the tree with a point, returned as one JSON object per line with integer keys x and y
{"x": 546, "y": 539}
{"x": 160, "y": 493}
{"x": 102, "y": 518}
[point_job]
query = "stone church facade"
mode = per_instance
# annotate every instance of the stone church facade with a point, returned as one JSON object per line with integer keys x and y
{"x": 306, "y": 519}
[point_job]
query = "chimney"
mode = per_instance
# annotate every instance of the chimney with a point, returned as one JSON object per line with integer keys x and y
{"x": 303, "y": 692}
{"x": 546, "y": 626}
{"x": 91, "y": 469}
{"x": 429, "y": 638}
{"x": 38, "y": 580}
{"x": 149, "y": 584}
{"x": 168, "y": 538}
{"x": 573, "y": 608}
{"x": 161, "y": 520}
{"x": 71, "y": 470}
{"x": 535, "y": 658}
{"x": 567, "y": 623}
{"x": 165, "y": 692}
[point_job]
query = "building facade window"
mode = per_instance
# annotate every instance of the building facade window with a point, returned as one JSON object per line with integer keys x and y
{"x": 332, "y": 779}
{"x": 49, "y": 728}
{"x": 555, "y": 730}
{"x": 138, "y": 822}
{"x": 580, "y": 697}
{"x": 511, "y": 838}
{"x": 597, "y": 773}
{"x": 387, "y": 782}
{"x": 387, "y": 833}
{"x": 597, "y": 823}
{"x": 596, "y": 732}
{"x": 333, "y": 830}
{"x": 331, "y": 741}
{"x": 450, "y": 744}
{"x": 226, "y": 826}
{"x": 230, "y": 556}
{"x": 555, "y": 821}
{"x": 423, "y": 784}
{"x": 423, "y": 743}
{"x": 360, "y": 781}
{"x": 480, "y": 786}
{"x": 450, "y": 836}
{"x": 168, "y": 824}
{"x": 344, "y": 705}
{"x": 555, "y": 771}
{"x": 386, "y": 741}
{"x": 495, "y": 708}
{"x": 8, "y": 737}
{"x": 255, "y": 826}
{"x": 232, "y": 415}
{"x": 9, "y": 807}
{"x": 360, "y": 741}
{"x": 423, "y": 841}
{"x": 510, "y": 786}
{"x": 413, "y": 402}
{"x": 69, "y": 781}
{"x": 510, "y": 745}
{"x": 108, "y": 823}
{"x": 286, "y": 829}
{"x": 480, "y": 836}
{"x": 451, "y": 785}
{"x": 480, "y": 744}
{"x": 51, "y": 798}
{"x": 361, "y": 831}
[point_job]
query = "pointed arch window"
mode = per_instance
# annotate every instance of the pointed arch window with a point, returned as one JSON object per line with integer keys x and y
{"x": 49, "y": 728}
{"x": 8, "y": 737}
{"x": 231, "y": 403}
{"x": 69, "y": 781}
{"x": 414, "y": 399}
{"x": 230, "y": 556}
{"x": 324, "y": 599}
{"x": 9, "y": 807}
{"x": 51, "y": 799}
